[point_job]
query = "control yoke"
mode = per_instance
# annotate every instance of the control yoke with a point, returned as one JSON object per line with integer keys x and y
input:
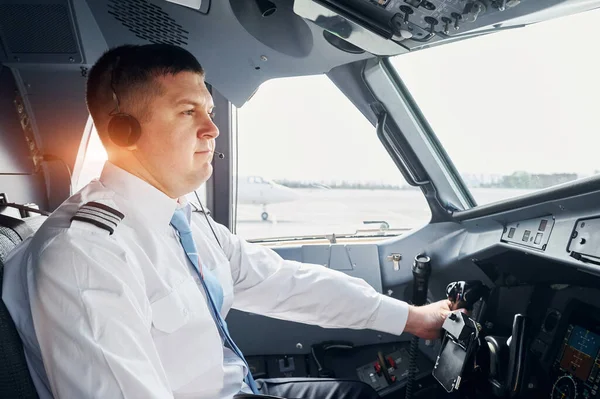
{"x": 466, "y": 350}
{"x": 464, "y": 294}
{"x": 461, "y": 334}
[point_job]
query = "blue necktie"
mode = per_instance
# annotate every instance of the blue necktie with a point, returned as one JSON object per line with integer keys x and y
{"x": 212, "y": 287}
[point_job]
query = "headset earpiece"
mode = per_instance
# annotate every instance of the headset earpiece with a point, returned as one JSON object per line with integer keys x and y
{"x": 124, "y": 130}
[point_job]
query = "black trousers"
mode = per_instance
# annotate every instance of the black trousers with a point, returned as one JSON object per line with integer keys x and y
{"x": 316, "y": 388}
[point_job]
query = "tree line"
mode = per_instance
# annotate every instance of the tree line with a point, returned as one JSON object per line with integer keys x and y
{"x": 519, "y": 179}
{"x": 531, "y": 180}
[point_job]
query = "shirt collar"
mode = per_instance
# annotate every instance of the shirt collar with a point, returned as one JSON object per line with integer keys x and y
{"x": 184, "y": 204}
{"x": 139, "y": 197}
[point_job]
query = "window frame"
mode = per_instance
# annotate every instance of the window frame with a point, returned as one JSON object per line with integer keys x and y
{"x": 219, "y": 187}
{"x": 323, "y": 237}
{"x": 449, "y": 190}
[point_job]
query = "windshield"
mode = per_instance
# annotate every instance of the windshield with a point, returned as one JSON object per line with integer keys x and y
{"x": 517, "y": 110}
{"x": 333, "y": 174}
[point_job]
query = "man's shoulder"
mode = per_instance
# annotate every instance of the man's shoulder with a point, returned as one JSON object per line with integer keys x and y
{"x": 85, "y": 224}
{"x": 87, "y": 228}
{"x": 101, "y": 214}
{"x": 93, "y": 209}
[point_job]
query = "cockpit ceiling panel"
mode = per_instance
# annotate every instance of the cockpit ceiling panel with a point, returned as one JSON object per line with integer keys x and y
{"x": 243, "y": 43}
{"x": 40, "y": 32}
{"x": 237, "y": 45}
{"x": 383, "y": 26}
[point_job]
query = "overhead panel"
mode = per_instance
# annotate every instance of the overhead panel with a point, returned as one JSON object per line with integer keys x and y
{"x": 239, "y": 43}
{"x": 383, "y": 27}
{"x": 38, "y": 32}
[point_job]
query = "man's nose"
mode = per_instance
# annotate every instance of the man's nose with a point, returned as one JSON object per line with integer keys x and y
{"x": 208, "y": 129}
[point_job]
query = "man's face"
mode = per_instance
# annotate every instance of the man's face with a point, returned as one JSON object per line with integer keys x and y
{"x": 178, "y": 138}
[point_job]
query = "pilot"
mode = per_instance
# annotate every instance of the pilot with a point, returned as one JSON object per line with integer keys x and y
{"x": 123, "y": 292}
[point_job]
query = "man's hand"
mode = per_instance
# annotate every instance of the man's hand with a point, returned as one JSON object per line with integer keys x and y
{"x": 426, "y": 321}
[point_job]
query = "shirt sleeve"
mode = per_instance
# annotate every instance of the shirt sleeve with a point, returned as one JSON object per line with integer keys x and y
{"x": 267, "y": 284}
{"x": 92, "y": 321}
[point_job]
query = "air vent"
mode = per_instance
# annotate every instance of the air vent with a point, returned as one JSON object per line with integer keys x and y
{"x": 39, "y": 32}
{"x": 148, "y": 21}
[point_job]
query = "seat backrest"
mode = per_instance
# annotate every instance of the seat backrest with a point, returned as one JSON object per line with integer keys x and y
{"x": 15, "y": 380}
{"x": 12, "y": 232}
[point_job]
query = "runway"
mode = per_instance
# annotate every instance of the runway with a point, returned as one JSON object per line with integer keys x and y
{"x": 323, "y": 211}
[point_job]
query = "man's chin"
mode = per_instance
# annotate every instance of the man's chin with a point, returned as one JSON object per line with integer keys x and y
{"x": 202, "y": 175}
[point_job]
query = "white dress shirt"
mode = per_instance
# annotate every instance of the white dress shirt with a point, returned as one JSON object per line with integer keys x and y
{"x": 122, "y": 315}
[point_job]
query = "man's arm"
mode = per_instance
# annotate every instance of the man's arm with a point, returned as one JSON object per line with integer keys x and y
{"x": 269, "y": 285}
{"x": 92, "y": 323}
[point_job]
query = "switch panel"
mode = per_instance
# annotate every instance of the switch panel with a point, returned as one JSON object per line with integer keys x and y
{"x": 585, "y": 240}
{"x": 396, "y": 364}
{"x": 532, "y": 233}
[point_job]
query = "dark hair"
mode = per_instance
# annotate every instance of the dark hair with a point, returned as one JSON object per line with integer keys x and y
{"x": 133, "y": 79}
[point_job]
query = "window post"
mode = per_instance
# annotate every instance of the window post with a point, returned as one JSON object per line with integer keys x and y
{"x": 218, "y": 187}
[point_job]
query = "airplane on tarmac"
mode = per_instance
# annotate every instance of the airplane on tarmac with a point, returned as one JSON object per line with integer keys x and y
{"x": 256, "y": 190}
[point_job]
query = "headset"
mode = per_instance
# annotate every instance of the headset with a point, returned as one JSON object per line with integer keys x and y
{"x": 123, "y": 129}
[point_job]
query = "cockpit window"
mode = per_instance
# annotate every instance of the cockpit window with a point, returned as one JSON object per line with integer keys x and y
{"x": 323, "y": 169}
{"x": 517, "y": 110}
{"x": 93, "y": 161}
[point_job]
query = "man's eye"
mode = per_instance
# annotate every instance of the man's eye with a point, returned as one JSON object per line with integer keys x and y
{"x": 189, "y": 112}
{"x": 212, "y": 115}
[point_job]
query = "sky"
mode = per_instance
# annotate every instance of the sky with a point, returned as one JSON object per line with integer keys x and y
{"x": 525, "y": 99}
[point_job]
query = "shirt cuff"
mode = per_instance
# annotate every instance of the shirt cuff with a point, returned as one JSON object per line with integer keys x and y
{"x": 391, "y": 316}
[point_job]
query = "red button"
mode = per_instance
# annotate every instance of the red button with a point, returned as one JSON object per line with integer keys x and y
{"x": 378, "y": 368}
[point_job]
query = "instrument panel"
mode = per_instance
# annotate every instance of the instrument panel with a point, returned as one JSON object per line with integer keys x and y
{"x": 576, "y": 367}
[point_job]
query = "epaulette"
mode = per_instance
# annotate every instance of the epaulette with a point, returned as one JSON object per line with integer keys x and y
{"x": 99, "y": 215}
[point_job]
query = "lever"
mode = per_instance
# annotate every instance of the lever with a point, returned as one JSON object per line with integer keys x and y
{"x": 516, "y": 360}
{"x": 457, "y": 17}
{"x": 384, "y": 368}
{"x": 400, "y": 22}
{"x": 432, "y": 22}
{"x": 447, "y": 21}
{"x": 318, "y": 354}
{"x": 507, "y": 370}
{"x": 407, "y": 12}
{"x": 464, "y": 294}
